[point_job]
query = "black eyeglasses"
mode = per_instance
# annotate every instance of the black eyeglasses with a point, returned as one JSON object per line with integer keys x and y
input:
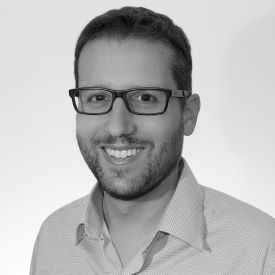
{"x": 140, "y": 101}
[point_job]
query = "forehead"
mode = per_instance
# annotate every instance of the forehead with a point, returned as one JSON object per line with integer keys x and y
{"x": 125, "y": 63}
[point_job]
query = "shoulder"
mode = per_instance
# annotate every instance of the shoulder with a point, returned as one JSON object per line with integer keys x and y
{"x": 226, "y": 211}
{"x": 57, "y": 237}
{"x": 66, "y": 217}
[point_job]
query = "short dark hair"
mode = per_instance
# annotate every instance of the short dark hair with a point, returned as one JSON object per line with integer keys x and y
{"x": 141, "y": 23}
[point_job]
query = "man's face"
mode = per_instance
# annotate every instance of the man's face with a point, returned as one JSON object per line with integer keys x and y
{"x": 153, "y": 143}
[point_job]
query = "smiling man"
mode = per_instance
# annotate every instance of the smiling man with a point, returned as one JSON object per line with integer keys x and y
{"x": 147, "y": 214}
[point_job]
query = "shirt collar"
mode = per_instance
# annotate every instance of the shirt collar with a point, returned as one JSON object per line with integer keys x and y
{"x": 183, "y": 217}
{"x": 91, "y": 220}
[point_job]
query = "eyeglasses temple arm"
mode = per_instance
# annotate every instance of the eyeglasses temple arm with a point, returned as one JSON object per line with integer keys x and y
{"x": 181, "y": 93}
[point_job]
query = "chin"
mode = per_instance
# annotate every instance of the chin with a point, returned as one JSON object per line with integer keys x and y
{"x": 128, "y": 189}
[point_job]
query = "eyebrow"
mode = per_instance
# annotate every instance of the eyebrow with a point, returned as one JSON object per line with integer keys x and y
{"x": 121, "y": 88}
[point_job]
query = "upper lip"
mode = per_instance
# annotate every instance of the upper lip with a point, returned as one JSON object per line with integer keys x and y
{"x": 122, "y": 147}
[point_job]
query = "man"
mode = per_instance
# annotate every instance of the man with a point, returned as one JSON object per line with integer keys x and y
{"x": 146, "y": 214}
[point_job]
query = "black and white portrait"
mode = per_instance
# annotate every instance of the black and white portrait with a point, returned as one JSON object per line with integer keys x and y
{"x": 138, "y": 137}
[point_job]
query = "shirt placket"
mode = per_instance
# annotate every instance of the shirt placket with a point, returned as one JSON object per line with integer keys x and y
{"x": 139, "y": 263}
{"x": 115, "y": 265}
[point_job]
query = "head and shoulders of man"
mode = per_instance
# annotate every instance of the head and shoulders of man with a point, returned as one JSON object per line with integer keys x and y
{"x": 122, "y": 49}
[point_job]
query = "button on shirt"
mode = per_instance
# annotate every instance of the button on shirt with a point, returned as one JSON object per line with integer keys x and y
{"x": 202, "y": 231}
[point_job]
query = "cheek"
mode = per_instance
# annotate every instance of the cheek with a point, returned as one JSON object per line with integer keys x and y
{"x": 161, "y": 128}
{"x": 86, "y": 126}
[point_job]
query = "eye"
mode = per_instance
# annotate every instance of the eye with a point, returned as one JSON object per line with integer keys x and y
{"x": 146, "y": 98}
{"x": 97, "y": 98}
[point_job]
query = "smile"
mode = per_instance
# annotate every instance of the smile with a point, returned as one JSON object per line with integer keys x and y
{"x": 122, "y": 154}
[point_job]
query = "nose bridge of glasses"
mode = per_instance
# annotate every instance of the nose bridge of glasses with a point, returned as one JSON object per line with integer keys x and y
{"x": 120, "y": 93}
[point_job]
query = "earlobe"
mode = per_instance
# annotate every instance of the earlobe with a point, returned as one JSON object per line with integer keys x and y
{"x": 190, "y": 113}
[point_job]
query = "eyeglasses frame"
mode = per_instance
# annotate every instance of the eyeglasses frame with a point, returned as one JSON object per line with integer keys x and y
{"x": 122, "y": 94}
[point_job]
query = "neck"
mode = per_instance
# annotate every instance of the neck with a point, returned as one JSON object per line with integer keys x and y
{"x": 144, "y": 213}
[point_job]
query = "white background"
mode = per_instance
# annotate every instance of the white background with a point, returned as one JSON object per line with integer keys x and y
{"x": 232, "y": 149}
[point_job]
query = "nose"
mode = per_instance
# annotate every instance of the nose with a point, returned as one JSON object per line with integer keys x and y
{"x": 120, "y": 120}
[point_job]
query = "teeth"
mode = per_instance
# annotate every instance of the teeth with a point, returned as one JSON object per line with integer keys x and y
{"x": 122, "y": 153}
{"x": 117, "y": 154}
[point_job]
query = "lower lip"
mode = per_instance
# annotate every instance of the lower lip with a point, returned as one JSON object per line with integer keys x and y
{"x": 121, "y": 161}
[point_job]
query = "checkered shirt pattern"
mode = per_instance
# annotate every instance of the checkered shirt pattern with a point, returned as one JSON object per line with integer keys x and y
{"x": 202, "y": 231}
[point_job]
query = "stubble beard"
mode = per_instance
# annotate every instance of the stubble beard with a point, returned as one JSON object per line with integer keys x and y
{"x": 162, "y": 160}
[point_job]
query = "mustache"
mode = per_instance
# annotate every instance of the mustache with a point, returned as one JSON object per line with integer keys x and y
{"x": 125, "y": 140}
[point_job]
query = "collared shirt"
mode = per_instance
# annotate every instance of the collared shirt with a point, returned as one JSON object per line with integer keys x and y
{"x": 202, "y": 231}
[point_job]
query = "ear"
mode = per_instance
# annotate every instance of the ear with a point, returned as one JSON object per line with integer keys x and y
{"x": 190, "y": 113}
